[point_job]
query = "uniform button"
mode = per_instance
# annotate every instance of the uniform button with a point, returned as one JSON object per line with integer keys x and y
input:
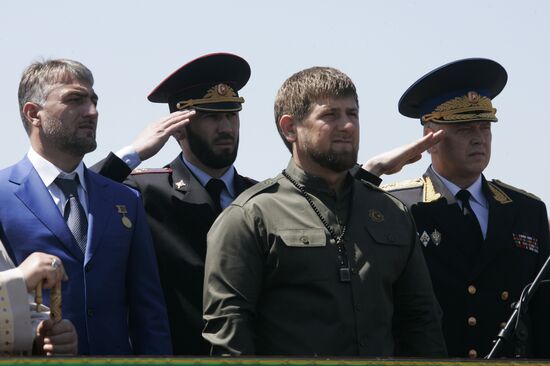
{"x": 353, "y": 270}
{"x": 504, "y": 295}
{"x": 472, "y": 290}
{"x": 472, "y": 321}
{"x": 87, "y": 268}
{"x": 391, "y": 238}
{"x": 472, "y": 353}
{"x": 304, "y": 240}
{"x": 90, "y": 312}
{"x": 502, "y": 325}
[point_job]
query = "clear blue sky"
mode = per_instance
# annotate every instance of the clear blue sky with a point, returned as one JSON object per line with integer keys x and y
{"x": 383, "y": 45}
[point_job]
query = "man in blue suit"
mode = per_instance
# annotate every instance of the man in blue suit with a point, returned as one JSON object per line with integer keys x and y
{"x": 95, "y": 226}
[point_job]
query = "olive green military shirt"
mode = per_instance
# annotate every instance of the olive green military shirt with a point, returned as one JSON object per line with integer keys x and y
{"x": 272, "y": 285}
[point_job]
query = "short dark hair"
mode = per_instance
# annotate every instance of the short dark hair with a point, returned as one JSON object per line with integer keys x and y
{"x": 301, "y": 90}
{"x": 39, "y": 77}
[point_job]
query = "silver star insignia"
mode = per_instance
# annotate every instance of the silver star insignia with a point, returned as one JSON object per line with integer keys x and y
{"x": 180, "y": 184}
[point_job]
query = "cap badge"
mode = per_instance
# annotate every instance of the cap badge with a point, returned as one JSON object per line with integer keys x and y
{"x": 375, "y": 215}
{"x": 222, "y": 89}
{"x": 473, "y": 97}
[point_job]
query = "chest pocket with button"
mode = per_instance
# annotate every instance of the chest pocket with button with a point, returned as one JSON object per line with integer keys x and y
{"x": 302, "y": 254}
{"x": 303, "y": 237}
{"x": 390, "y": 248}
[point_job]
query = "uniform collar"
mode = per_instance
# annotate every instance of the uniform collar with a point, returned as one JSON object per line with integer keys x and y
{"x": 228, "y": 177}
{"x": 48, "y": 171}
{"x": 314, "y": 183}
{"x": 475, "y": 189}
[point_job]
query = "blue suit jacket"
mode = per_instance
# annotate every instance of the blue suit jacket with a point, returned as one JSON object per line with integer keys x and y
{"x": 113, "y": 295}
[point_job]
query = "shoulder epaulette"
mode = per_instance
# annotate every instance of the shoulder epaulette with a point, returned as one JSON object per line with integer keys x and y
{"x": 495, "y": 184}
{"x": 139, "y": 171}
{"x": 405, "y": 184}
{"x": 253, "y": 191}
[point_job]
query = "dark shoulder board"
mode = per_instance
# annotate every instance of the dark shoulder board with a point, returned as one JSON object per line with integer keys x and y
{"x": 496, "y": 184}
{"x": 249, "y": 180}
{"x": 140, "y": 171}
{"x": 254, "y": 190}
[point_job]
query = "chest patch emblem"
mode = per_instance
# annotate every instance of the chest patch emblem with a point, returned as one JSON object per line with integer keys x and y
{"x": 436, "y": 237}
{"x": 424, "y": 238}
{"x": 375, "y": 215}
{"x": 526, "y": 242}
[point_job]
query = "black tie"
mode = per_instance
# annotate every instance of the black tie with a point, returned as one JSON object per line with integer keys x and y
{"x": 74, "y": 212}
{"x": 472, "y": 224}
{"x": 214, "y": 188}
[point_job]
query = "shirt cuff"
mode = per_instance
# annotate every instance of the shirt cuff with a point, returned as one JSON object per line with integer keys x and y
{"x": 15, "y": 317}
{"x": 129, "y": 156}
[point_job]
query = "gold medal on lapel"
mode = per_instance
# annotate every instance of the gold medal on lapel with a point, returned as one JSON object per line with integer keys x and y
{"x": 125, "y": 220}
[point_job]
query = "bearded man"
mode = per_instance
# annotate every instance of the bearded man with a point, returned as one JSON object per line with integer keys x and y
{"x": 313, "y": 261}
{"x": 51, "y": 203}
{"x": 183, "y": 199}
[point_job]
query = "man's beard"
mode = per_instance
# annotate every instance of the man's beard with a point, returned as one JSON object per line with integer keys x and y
{"x": 335, "y": 161}
{"x": 206, "y": 155}
{"x": 60, "y": 137}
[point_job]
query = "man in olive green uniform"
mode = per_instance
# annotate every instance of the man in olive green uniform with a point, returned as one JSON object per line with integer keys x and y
{"x": 314, "y": 262}
{"x": 483, "y": 241}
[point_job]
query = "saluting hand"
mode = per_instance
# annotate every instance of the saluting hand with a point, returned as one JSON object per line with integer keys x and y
{"x": 153, "y": 137}
{"x": 394, "y": 160}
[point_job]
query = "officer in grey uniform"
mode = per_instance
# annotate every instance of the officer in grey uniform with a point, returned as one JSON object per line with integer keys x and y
{"x": 483, "y": 241}
{"x": 314, "y": 262}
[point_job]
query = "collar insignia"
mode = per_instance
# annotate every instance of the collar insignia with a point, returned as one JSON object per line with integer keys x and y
{"x": 498, "y": 194}
{"x": 180, "y": 186}
{"x": 429, "y": 193}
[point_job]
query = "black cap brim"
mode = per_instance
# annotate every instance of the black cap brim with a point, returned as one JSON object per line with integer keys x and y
{"x": 208, "y": 69}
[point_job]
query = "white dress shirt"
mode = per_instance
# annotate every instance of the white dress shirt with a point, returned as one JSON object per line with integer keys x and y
{"x": 48, "y": 172}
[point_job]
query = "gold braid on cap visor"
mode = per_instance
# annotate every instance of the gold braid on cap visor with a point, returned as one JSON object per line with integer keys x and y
{"x": 467, "y": 108}
{"x": 221, "y": 93}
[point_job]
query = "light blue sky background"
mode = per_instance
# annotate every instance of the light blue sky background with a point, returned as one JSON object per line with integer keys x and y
{"x": 383, "y": 45}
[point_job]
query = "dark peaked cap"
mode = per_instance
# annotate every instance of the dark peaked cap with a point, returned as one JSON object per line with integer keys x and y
{"x": 456, "y": 79}
{"x": 210, "y": 83}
